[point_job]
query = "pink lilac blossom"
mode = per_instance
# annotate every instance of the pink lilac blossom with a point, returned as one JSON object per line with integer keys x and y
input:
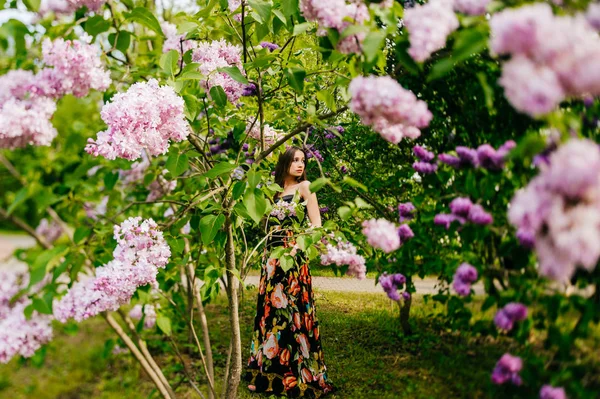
{"x": 76, "y": 68}
{"x": 173, "y": 39}
{"x": 463, "y": 278}
{"x": 145, "y": 117}
{"x": 137, "y": 312}
{"x": 141, "y": 250}
{"x": 19, "y": 335}
{"x": 271, "y": 135}
{"x": 381, "y": 234}
{"x": 506, "y": 317}
{"x": 560, "y": 208}
{"x": 554, "y": 57}
{"x": 64, "y": 7}
{"x": 15, "y": 84}
{"x": 428, "y": 26}
{"x": 344, "y": 253}
{"x": 391, "y": 110}
{"x": 219, "y": 54}
{"x": 507, "y": 370}
{"x": 93, "y": 210}
{"x": 592, "y": 15}
{"x": 550, "y": 392}
{"x": 51, "y": 231}
{"x": 282, "y": 209}
{"x": 464, "y": 210}
{"x": 26, "y": 122}
{"x": 471, "y": 7}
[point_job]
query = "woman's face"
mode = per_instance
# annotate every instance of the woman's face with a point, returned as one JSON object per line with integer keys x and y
{"x": 297, "y": 165}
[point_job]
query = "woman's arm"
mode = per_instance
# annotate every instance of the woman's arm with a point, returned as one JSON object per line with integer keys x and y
{"x": 312, "y": 205}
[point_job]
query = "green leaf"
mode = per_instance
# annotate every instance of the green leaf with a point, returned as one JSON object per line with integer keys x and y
{"x": 286, "y": 262}
{"x": 303, "y": 242}
{"x": 145, "y": 17}
{"x": 41, "y": 306}
{"x": 301, "y": 28}
{"x": 318, "y": 184}
{"x": 218, "y": 95}
{"x": 253, "y": 178}
{"x": 327, "y": 97}
{"x": 177, "y": 163}
{"x": 21, "y": 196}
{"x": 96, "y": 24}
{"x": 238, "y": 189}
{"x": 209, "y": 226}
{"x": 280, "y": 16}
{"x": 277, "y": 253}
{"x": 168, "y": 62}
{"x": 219, "y": 169}
{"x": 350, "y": 181}
{"x": 32, "y": 5}
{"x": 123, "y": 40}
{"x": 164, "y": 323}
{"x": 295, "y": 77}
{"x": 344, "y": 212}
{"x": 405, "y": 59}
{"x": 110, "y": 179}
{"x": 262, "y": 8}
{"x": 440, "y": 69}
{"x": 372, "y": 44}
{"x": 255, "y": 204}
{"x": 234, "y": 73}
{"x": 81, "y": 233}
{"x": 290, "y": 8}
{"x": 488, "y": 92}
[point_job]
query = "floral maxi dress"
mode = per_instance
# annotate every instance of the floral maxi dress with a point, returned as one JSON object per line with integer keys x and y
{"x": 286, "y": 354}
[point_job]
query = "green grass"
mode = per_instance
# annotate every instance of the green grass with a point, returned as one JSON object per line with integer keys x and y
{"x": 366, "y": 355}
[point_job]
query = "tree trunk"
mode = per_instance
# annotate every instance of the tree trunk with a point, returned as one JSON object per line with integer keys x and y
{"x": 404, "y": 315}
{"x": 235, "y": 367}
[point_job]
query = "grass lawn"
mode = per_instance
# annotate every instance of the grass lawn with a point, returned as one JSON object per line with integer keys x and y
{"x": 365, "y": 354}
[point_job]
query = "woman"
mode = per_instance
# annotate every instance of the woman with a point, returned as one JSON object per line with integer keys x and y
{"x": 286, "y": 354}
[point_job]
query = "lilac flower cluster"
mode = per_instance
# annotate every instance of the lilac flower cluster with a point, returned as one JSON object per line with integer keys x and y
{"x": 511, "y": 313}
{"x": 463, "y": 278}
{"x": 553, "y": 57}
{"x": 406, "y": 211}
{"x": 76, "y": 68}
{"x": 137, "y": 312}
{"x": 282, "y": 209}
{"x": 26, "y": 122}
{"x": 93, "y": 210}
{"x": 219, "y": 54}
{"x": 145, "y": 117}
{"x": 428, "y": 26}
{"x": 344, "y": 253}
{"x": 220, "y": 145}
{"x": 388, "y": 108}
{"x": 560, "y": 210}
{"x": 507, "y": 370}
{"x": 485, "y": 156}
{"x": 270, "y": 46}
{"x": 141, "y": 250}
{"x": 51, "y": 231}
{"x": 385, "y": 235}
{"x": 463, "y": 210}
{"x": 64, "y": 7}
{"x": 238, "y": 173}
{"x": 19, "y": 335}
{"x": 312, "y": 151}
{"x": 471, "y": 7}
{"x": 173, "y": 39}
{"x": 592, "y": 15}
{"x": 550, "y": 392}
{"x": 391, "y": 283}
{"x": 337, "y": 14}
{"x": 249, "y": 90}
{"x": 271, "y": 135}
{"x": 425, "y": 165}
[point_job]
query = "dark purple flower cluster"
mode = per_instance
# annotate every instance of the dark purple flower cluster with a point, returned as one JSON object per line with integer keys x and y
{"x": 391, "y": 283}
{"x": 507, "y": 369}
{"x": 312, "y": 151}
{"x": 485, "y": 156}
{"x": 324, "y": 209}
{"x": 463, "y": 210}
{"x": 506, "y": 317}
{"x": 406, "y": 211}
{"x": 425, "y": 165}
{"x": 219, "y": 145}
{"x": 249, "y": 90}
{"x": 268, "y": 45}
{"x": 405, "y": 233}
{"x": 463, "y": 278}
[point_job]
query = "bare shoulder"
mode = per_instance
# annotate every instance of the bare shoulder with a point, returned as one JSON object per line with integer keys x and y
{"x": 303, "y": 187}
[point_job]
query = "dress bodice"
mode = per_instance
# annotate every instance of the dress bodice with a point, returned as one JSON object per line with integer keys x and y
{"x": 281, "y": 225}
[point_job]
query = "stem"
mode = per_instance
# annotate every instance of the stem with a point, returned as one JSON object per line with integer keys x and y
{"x": 404, "y": 315}
{"x": 235, "y": 369}
{"x": 137, "y": 354}
{"x": 20, "y": 223}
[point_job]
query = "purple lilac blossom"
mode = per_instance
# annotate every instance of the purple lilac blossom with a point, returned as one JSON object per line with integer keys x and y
{"x": 423, "y": 154}
{"x": 507, "y": 370}
{"x": 424, "y": 168}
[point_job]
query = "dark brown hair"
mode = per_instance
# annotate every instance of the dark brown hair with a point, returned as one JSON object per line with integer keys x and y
{"x": 283, "y": 166}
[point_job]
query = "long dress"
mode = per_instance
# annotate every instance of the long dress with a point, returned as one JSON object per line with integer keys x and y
{"x": 286, "y": 354}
